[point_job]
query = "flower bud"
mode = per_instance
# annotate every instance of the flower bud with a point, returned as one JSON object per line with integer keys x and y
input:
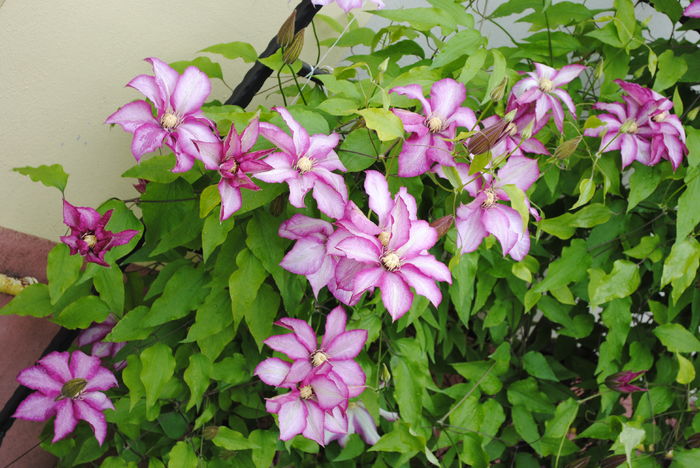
{"x": 620, "y": 382}
{"x": 285, "y": 36}
{"x": 526, "y": 133}
{"x": 291, "y": 53}
{"x": 612, "y": 462}
{"x": 567, "y": 148}
{"x": 210, "y": 432}
{"x": 486, "y": 139}
{"x": 694, "y": 440}
{"x": 498, "y": 92}
{"x": 442, "y": 225}
{"x": 580, "y": 462}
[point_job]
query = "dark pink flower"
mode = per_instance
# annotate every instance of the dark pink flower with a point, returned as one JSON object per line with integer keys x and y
{"x": 542, "y": 87}
{"x": 101, "y": 349}
{"x": 692, "y": 10}
{"x": 69, "y": 386}
{"x": 392, "y": 255}
{"x": 430, "y": 132}
{"x": 179, "y": 121}
{"x": 88, "y": 235}
{"x": 235, "y": 162}
{"x": 338, "y": 347}
{"x": 620, "y": 382}
{"x": 305, "y": 163}
{"x": 485, "y": 215}
{"x": 347, "y": 5}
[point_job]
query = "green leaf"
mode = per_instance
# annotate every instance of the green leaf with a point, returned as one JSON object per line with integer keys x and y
{"x": 463, "y": 270}
{"x": 680, "y": 266}
{"x": 626, "y": 22}
{"x": 672, "y": 8}
{"x": 232, "y": 440}
{"x": 516, "y": 6}
{"x": 463, "y": 43}
{"x": 622, "y": 281}
{"x": 267, "y": 447}
{"x": 208, "y": 200}
{"x": 81, "y": 313}
{"x": 158, "y": 367}
{"x": 182, "y": 456}
{"x": 473, "y": 453}
{"x": 473, "y": 65}
{"x": 261, "y": 314}
{"x": 630, "y": 437}
{"x": 525, "y": 393}
{"x": 569, "y": 268}
{"x": 643, "y": 182}
{"x": 234, "y": 50}
{"x": 586, "y": 190}
{"x": 338, "y": 106}
{"x": 688, "y": 212}
{"x": 676, "y": 338}
{"x": 384, "y": 122}
{"x": 132, "y": 380}
{"x": 498, "y": 73}
{"x": 154, "y": 169}
{"x": 109, "y": 282}
{"x": 244, "y": 284}
{"x": 607, "y": 35}
{"x": 359, "y": 150}
{"x": 671, "y": 69}
{"x": 232, "y": 370}
{"x": 644, "y": 249}
{"x": 184, "y": 291}
{"x": 565, "y": 225}
{"x": 50, "y": 176}
{"x": 422, "y": 19}
{"x": 33, "y": 301}
{"x": 214, "y": 233}
{"x": 129, "y": 327}
{"x": 62, "y": 270}
{"x": 399, "y": 440}
{"x": 197, "y": 378}
{"x": 518, "y": 201}
{"x": 537, "y": 366}
{"x": 686, "y": 370}
{"x": 564, "y": 416}
{"x": 211, "y": 69}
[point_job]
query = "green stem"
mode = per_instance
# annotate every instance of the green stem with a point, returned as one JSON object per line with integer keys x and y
{"x": 279, "y": 84}
{"x": 294, "y": 75}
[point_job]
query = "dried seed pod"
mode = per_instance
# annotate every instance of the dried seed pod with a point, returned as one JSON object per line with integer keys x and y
{"x": 285, "y": 36}
{"x": 442, "y": 225}
{"x": 612, "y": 462}
{"x": 567, "y": 148}
{"x": 694, "y": 440}
{"x": 291, "y": 53}
{"x": 487, "y": 138}
{"x": 580, "y": 462}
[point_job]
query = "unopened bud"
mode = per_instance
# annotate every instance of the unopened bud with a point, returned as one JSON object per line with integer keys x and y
{"x": 384, "y": 65}
{"x": 498, "y": 92}
{"x": 510, "y": 115}
{"x": 285, "y": 36}
{"x": 291, "y": 53}
{"x": 580, "y": 462}
{"x": 612, "y": 462}
{"x": 694, "y": 440}
{"x": 442, "y": 225}
{"x": 526, "y": 133}
{"x": 567, "y": 148}
{"x": 210, "y": 432}
{"x": 486, "y": 139}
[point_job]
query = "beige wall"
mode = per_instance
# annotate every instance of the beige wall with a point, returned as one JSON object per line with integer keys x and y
{"x": 63, "y": 65}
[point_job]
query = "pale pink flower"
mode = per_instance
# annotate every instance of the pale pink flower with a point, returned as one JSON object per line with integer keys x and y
{"x": 305, "y": 163}
{"x": 179, "y": 120}
{"x": 347, "y": 5}
{"x": 692, "y": 10}
{"x": 360, "y": 422}
{"x": 69, "y": 386}
{"x": 429, "y": 142}
{"x": 542, "y": 87}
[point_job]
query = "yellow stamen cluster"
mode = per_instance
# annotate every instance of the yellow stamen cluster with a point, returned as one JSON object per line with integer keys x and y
{"x": 630, "y": 126}
{"x": 318, "y": 358}
{"x": 90, "y": 239}
{"x": 391, "y": 261}
{"x": 435, "y": 124}
{"x": 546, "y": 85}
{"x": 304, "y": 165}
{"x": 306, "y": 392}
{"x": 490, "y": 198}
{"x": 660, "y": 117}
{"x": 169, "y": 121}
{"x": 384, "y": 238}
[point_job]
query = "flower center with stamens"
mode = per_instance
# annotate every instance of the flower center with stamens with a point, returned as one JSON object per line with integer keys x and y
{"x": 435, "y": 124}
{"x": 630, "y": 126}
{"x": 546, "y": 85}
{"x": 490, "y": 198}
{"x": 306, "y": 392}
{"x": 72, "y": 389}
{"x": 169, "y": 121}
{"x": 234, "y": 167}
{"x": 384, "y": 238}
{"x": 90, "y": 239}
{"x": 391, "y": 261}
{"x": 304, "y": 164}
{"x": 660, "y": 117}
{"x": 318, "y": 358}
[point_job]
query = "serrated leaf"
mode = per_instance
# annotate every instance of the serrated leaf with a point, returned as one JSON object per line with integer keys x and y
{"x": 50, "y": 176}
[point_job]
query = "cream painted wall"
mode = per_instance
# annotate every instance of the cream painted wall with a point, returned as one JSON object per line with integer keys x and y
{"x": 63, "y": 65}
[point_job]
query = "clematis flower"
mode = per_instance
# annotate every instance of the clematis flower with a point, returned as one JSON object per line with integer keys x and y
{"x": 512, "y": 141}
{"x": 69, "y": 386}
{"x": 235, "y": 162}
{"x": 305, "y": 409}
{"x": 395, "y": 257}
{"x": 347, "y": 5}
{"x": 338, "y": 348}
{"x": 692, "y": 10}
{"x": 641, "y": 127}
{"x": 484, "y": 215}
{"x": 309, "y": 257}
{"x": 542, "y": 87}
{"x": 442, "y": 114}
{"x": 305, "y": 163}
{"x": 620, "y": 382}
{"x": 88, "y": 235}
{"x": 179, "y": 121}
{"x": 360, "y": 422}
{"x": 101, "y": 349}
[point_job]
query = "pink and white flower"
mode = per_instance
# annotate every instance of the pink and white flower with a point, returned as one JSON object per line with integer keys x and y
{"x": 179, "y": 121}
{"x": 692, "y": 10}
{"x": 305, "y": 163}
{"x": 542, "y": 87}
{"x": 360, "y": 422}
{"x": 70, "y": 387}
{"x": 485, "y": 215}
{"x": 88, "y": 235}
{"x": 101, "y": 349}
{"x": 430, "y": 133}
{"x": 347, "y": 5}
